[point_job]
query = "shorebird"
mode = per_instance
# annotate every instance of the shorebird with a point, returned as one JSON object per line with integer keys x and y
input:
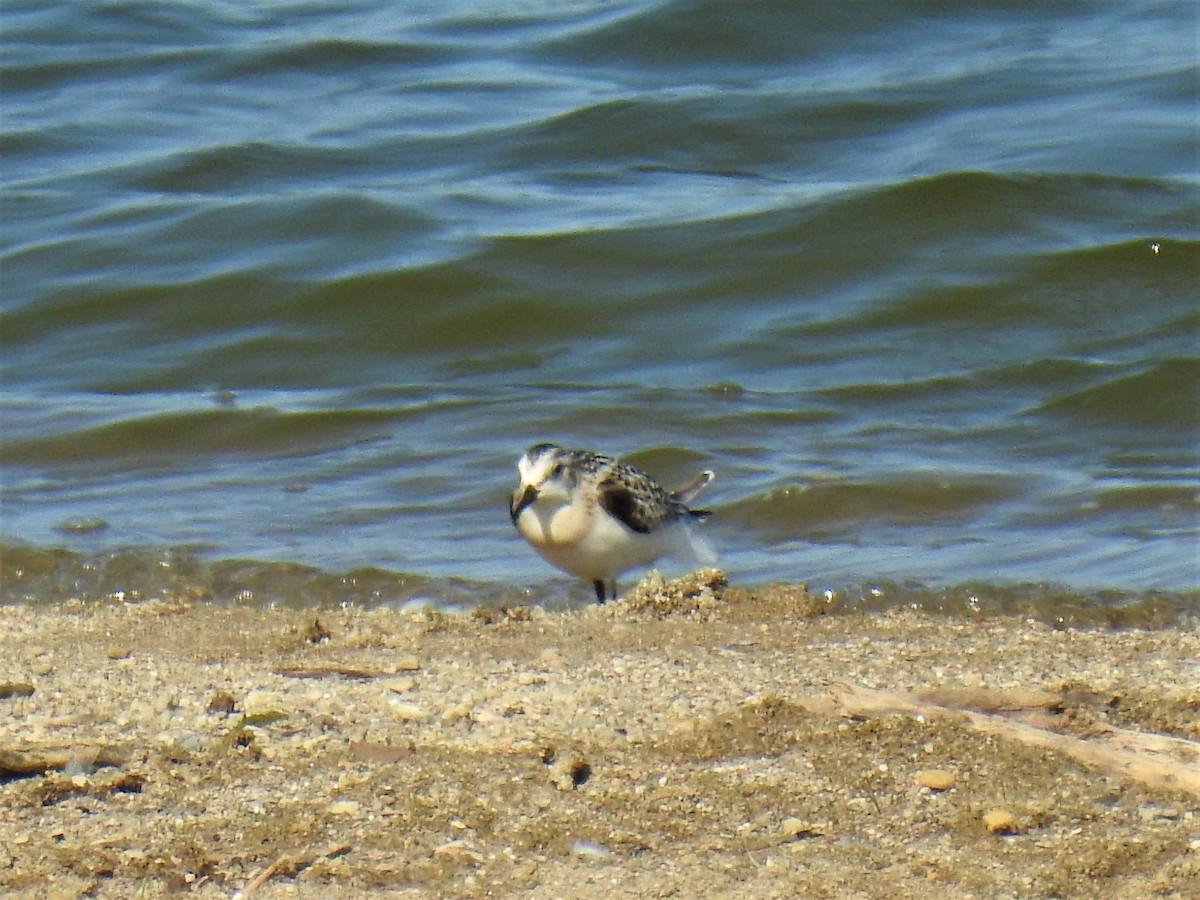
{"x": 596, "y": 518}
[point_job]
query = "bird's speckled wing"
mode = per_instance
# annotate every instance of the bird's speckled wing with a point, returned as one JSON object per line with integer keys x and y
{"x": 632, "y": 497}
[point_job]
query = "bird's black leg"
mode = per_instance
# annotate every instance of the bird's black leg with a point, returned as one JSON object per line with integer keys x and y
{"x": 599, "y": 586}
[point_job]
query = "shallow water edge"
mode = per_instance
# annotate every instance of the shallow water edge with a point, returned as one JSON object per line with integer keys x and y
{"x": 39, "y": 576}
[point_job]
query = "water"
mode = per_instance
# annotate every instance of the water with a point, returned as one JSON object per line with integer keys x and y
{"x": 298, "y": 282}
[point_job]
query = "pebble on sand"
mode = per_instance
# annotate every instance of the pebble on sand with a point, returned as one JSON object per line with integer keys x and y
{"x": 936, "y": 779}
{"x": 408, "y": 712}
{"x": 792, "y": 829}
{"x": 1000, "y": 821}
{"x": 459, "y": 852}
{"x": 569, "y": 772}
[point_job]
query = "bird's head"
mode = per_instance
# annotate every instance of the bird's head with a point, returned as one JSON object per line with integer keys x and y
{"x": 546, "y": 476}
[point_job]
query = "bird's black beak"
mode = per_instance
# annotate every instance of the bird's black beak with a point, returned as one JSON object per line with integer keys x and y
{"x": 521, "y": 500}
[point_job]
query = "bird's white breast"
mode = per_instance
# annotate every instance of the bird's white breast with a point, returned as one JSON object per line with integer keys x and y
{"x": 582, "y": 539}
{"x": 548, "y": 524}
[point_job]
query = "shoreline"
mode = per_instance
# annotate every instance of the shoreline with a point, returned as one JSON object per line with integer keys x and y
{"x": 41, "y": 576}
{"x": 692, "y": 737}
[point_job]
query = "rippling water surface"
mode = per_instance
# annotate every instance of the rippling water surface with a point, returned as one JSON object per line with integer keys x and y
{"x": 298, "y": 282}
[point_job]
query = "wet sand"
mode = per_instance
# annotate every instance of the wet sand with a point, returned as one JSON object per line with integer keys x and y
{"x": 691, "y": 740}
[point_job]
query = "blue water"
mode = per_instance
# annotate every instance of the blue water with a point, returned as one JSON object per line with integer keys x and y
{"x": 299, "y": 283}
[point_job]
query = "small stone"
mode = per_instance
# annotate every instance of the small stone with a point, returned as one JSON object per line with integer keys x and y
{"x": 458, "y": 852}
{"x": 511, "y": 705}
{"x": 258, "y": 701}
{"x": 1000, "y": 821}
{"x": 221, "y": 703}
{"x": 795, "y": 829}
{"x": 263, "y": 707}
{"x": 400, "y": 685}
{"x": 344, "y": 808}
{"x": 590, "y": 850}
{"x": 409, "y": 712}
{"x": 119, "y": 651}
{"x": 569, "y": 772}
{"x": 936, "y": 779}
{"x": 408, "y": 663}
{"x": 456, "y": 713}
{"x": 1151, "y": 813}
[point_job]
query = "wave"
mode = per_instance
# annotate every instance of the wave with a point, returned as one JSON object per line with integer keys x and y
{"x": 824, "y": 508}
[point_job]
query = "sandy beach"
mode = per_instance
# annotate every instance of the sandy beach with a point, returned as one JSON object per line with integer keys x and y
{"x": 693, "y": 739}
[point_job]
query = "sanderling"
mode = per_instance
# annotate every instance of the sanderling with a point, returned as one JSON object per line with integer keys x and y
{"x": 595, "y": 517}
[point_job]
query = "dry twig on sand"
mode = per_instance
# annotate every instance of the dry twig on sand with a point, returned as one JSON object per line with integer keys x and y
{"x": 1154, "y": 760}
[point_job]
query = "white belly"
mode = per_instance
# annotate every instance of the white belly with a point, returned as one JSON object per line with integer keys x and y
{"x": 587, "y": 542}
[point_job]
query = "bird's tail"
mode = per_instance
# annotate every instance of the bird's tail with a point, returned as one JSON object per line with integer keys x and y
{"x": 693, "y": 546}
{"x": 688, "y": 492}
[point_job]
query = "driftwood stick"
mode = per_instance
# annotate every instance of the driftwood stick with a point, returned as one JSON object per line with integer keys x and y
{"x": 290, "y": 864}
{"x": 264, "y": 876}
{"x": 1155, "y": 760}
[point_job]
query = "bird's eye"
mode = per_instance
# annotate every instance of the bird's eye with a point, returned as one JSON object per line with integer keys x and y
{"x": 557, "y": 470}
